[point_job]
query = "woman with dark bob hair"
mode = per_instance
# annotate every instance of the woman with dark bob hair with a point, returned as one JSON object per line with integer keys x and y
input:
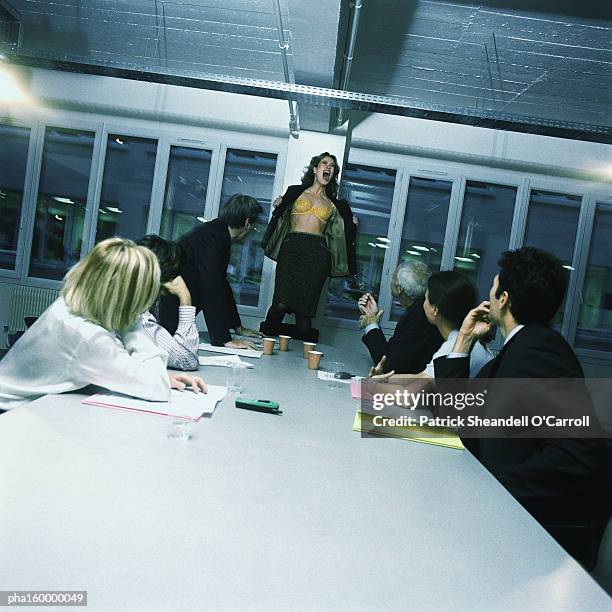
{"x": 311, "y": 236}
{"x": 449, "y": 298}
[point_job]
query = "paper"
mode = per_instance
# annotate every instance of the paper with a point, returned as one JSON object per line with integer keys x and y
{"x": 330, "y": 376}
{"x": 182, "y": 405}
{"x": 224, "y": 361}
{"x": 230, "y": 351}
{"x": 427, "y": 435}
{"x": 356, "y": 389}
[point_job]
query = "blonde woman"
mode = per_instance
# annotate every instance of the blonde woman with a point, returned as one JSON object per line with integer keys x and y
{"x": 91, "y": 334}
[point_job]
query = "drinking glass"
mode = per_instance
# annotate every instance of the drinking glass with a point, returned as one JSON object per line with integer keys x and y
{"x": 334, "y": 368}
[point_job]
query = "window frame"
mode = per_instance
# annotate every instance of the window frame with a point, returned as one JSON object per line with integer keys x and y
{"x": 591, "y": 191}
{"x": 215, "y": 140}
{"x": 544, "y": 184}
{"x": 165, "y": 145}
{"x": 460, "y": 173}
{"x": 372, "y": 159}
{"x": 265, "y": 145}
{"x": 41, "y": 132}
{"x": 26, "y": 198}
{"x": 590, "y": 206}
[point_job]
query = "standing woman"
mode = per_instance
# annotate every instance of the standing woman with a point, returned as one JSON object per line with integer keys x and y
{"x": 312, "y": 236}
{"x": 91, "y": 334}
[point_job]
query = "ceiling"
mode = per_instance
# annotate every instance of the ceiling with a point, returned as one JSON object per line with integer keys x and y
{"x": 541, "y": 66}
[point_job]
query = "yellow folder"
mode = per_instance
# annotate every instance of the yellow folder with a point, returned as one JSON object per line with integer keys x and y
{"x": 429, "y": 435}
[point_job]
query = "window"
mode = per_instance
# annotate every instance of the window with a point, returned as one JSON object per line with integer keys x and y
{"x": 60, "y": 205}
{"x": 13, "y": 160}
{"x": 186, "y": 187}
{"x": 424, "y": 225}
{"x": 484, "y": 232}
{"x": 595, "y": 319}
{"x": 126, "y": 187}
{"x": 250, "y": 173}
{"x": 551, "y": 225}
{"x": 369, "y": 192}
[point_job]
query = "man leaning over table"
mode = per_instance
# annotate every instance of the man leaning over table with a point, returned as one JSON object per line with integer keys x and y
{"x": 207, "y": 251}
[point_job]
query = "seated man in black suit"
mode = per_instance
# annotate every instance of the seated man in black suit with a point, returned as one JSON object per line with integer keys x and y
{"x": 558, "y": 480}
{"x": 415, "y": 339}
{"x": 204, "y": 270}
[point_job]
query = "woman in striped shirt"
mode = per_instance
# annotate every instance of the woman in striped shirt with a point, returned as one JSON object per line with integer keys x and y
{"x": 182, "y": 347}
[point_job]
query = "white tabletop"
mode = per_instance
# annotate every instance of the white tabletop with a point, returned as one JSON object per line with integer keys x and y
{"x": 265, "y": 512}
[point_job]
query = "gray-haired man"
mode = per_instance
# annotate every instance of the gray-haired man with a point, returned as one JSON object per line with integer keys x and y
{"x": 415, "y": 340}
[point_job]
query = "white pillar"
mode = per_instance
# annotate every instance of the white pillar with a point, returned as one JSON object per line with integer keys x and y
{"x": 301, "y": 150}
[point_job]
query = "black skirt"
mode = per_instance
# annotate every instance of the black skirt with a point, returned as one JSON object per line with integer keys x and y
{"x": 303, "y": 265}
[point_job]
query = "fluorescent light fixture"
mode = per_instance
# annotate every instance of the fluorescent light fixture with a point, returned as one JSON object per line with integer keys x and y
{"x": 413, "y": 253}
{"x": 372, "y": 244}
{"x": 382, "y": 246}
{"x": 63, "y": 200}
{"x": 382, "y": 239}
{"x": 10, "y": 89}
{"x": 58, "y": 217}
{"x": 118, "y": 141}
{"x": 201, "y": 219}
{"x": 114, "y": 209}
{"x": 476, "y": 255}
{"x": 466, "y": 259}
{"x": 418, "y": 247}
{"x": 569, "y": 268}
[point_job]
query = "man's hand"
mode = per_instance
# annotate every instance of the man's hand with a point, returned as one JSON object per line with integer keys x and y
{"x": 180, "y": 381}
{"x": 277, "y": 201}
{"x": 355, "y": 220}
{"x": 247, "y": 331}
{"x": 377, "y": 372}
{"x": 178, "y": 287}
{"x": 367, "y": 304}
{"x": 366, "y": 319}
{"x": 241, "y": 344}
{"x": 475, "y": 325}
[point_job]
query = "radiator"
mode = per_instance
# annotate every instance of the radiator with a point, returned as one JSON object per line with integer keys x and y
{"x": 28, "y": 302}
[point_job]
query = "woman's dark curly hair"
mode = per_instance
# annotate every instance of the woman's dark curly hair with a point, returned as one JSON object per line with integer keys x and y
{"x": 308, "y": 179}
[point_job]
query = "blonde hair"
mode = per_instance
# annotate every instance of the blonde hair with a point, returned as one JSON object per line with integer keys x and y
{"x": 114, "y": 284}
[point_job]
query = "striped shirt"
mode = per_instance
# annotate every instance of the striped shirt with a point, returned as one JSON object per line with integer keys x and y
{"x": 182, "y": 348}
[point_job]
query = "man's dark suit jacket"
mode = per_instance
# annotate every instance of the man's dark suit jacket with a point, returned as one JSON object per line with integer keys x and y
{"x": 204, "y": 270}
{"x": 558, "y": 480}
{"x": 412, "y": 345}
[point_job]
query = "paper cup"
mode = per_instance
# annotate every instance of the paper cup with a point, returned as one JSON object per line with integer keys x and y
{"x": 268, "y": 346}
{"x": 283, "y": 342}
{"x": 308, "y": 346}
{"x": 314, "y": 359}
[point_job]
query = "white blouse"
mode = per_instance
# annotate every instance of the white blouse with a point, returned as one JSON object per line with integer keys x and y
{"x": 479, "y": 356}
{"x": 63, "y": 352}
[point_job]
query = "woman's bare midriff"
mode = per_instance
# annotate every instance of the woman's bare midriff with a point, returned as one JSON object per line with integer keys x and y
{"x": 307, "y": 224}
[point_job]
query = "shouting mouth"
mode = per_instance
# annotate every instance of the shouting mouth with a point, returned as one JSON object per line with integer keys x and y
{"x": 326, "y": 174}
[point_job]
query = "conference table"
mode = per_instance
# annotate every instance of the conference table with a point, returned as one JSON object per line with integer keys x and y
{"x": 265, "y": 512}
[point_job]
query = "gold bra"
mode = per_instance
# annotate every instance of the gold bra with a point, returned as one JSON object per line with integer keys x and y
{"x": 303, "y": 207}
